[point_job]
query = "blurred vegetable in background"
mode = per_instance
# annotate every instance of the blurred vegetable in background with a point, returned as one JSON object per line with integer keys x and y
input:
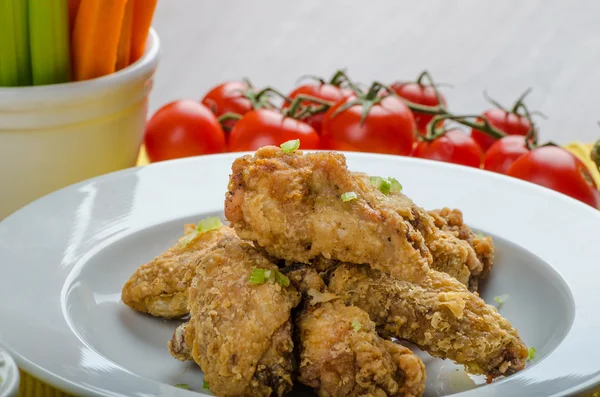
{"x": 383, "y": 119}
{"x": 49, "y": 41}
{"x": 15, "y": 63}
{"x": 56, "y": 41}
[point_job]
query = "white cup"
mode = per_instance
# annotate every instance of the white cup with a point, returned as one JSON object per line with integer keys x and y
{"x": 55, "y": 135}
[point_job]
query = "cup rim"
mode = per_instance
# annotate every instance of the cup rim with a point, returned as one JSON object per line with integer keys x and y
{"x": 143, "y": 66}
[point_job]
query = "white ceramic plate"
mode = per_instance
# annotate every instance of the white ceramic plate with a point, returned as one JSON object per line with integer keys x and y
{"x": 65, "y": 257}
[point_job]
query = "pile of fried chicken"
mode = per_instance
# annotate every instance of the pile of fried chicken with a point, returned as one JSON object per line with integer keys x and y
{"x": 306, "y": 286}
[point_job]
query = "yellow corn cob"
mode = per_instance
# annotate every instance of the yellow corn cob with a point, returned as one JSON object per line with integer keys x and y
{"x": 582, "y": 152}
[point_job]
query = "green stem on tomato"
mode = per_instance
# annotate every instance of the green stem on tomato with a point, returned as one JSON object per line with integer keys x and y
{"x": 311, "y": 110}
{"x": 342, "y": 77}
{"x": 269, "y": 90}
{"x": 531, "y": 136}
{"x": 229, "y": 116}
{"x": 595, "y": 153}
{"x": 318, "y": 79}
{"x": 339, "y": 77}
{"x": 520, "y": 100}
{"x": 493, "y": 101}
{"x": 296, "y": 103}
{"x": 426, "y": 75}
{"x": 484, "y": 126}
{"x": 257, "y": 101}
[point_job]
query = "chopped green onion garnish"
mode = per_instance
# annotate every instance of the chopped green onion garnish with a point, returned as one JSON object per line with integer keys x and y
{"x": 187, "y": 239}
{"x": 356, "y": 325}
{"x": 480, "y": 235}
{"x": 183, "y": 386}
{"x": 386, "y": 185}
{"x": 290, "y": 146}
{"x": 282, "y": 279}
{"x": 377, "y": 181}
{"x": 260, "y": 276}
{"x": 501, "y": 299}
{"x": 257, "y": 276}
{"x": 349, "y": 196}
{"x": 205, "y": 385}
{"x": 531, "y": 353}
{"x": 396, "y": 187}
{"x": 209, "y": 224}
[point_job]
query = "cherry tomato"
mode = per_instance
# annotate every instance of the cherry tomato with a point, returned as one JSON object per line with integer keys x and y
{"x": 453, "y": 147}
{"x": 389, "y": 127}
{"x": 228, "y": 98}
{"x": 421, "y": 95}
{"x": 327, "y": 92}
{"x": 509, "y": 123}
{"x": 265, "y": 127}
{"x": 183, "y": 128}
{"x": 557, "y": 169}
{"x": 500, "y": 156}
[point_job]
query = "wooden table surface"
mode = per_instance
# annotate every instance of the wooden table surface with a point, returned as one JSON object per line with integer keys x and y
{"x": 502, "y": 46}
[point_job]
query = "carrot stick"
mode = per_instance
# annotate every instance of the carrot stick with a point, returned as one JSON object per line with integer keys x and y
{"x": 124, "y": 50}
{"x": 96, "y": 37}
{"x": 142, "y": 20}
{"x": 73, "y": 7}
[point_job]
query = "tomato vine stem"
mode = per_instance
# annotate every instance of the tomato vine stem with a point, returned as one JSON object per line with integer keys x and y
{"x": 595, "y": 153}
{"x": 296, "y": 104}
{"x": 336, "y": 80}
{"x": 222, "y": 119}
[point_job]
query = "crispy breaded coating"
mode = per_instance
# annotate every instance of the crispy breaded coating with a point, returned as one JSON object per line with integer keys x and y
{"x": 449, "y": 254}
{"x": 242, "y": 332}
{"x": 341, "y": 355}
{"x": 160, "y": 287}
{"x": 451, "y": 221}
{"x": 290, "y": 204}
{"x": 440, "y": 316}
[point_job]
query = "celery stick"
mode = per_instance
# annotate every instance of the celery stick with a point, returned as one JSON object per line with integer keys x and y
{"x": 15, "y": 64}
{"x": 49, "y": 41}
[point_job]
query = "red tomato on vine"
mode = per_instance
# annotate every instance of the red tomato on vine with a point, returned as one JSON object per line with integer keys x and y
{"x": 500, "y": 156}
{"x": 265, "y": 127}
{"x": 369, "y": 123}
{"x": 510, "y": 122}
{"x": 326, "y": 92}
{"x": 183, "y": 128}
{"x": 421, "y": 94}
{"x": 557, "y": 169}
{"x": 453, "y": 146}
{"x": 238, "y": 97}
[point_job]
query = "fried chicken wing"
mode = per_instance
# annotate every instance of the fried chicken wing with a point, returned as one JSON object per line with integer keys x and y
{"x": 449, "y": 254}
{"x": 439, "y": 316}
{"x": 241, "y": 332}
{"x": 290, "y": 205}
{"x": 341, "y": 355}
{"x": 160, "y": 287}
{"x": 451, "y": 221}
